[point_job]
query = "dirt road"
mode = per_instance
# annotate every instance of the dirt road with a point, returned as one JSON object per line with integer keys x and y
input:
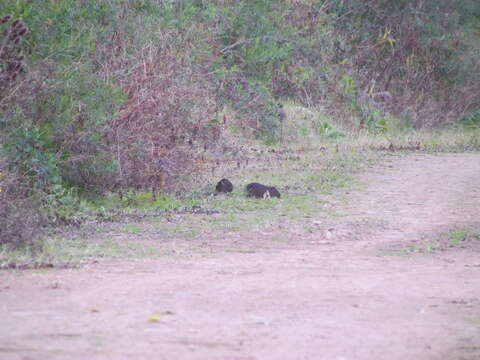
{"x": 365, "y": 285}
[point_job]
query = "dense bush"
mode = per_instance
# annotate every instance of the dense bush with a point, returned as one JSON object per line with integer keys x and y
{"x": 271, "y": 51}
{"x": 413, "y": 59}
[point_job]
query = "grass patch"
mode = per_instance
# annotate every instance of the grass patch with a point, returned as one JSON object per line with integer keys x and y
{"x": 462, "y": 237}
{"x": 133, "y": 201}
{"x": 141, "y": 225}
{"x": 304, "y": 183}
{"x": 132, "y": 229}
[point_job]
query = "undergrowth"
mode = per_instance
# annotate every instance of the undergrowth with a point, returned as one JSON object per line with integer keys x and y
{"x": 138, "y": 225}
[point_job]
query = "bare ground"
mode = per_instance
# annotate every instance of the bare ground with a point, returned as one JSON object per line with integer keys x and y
{"x": 351, "y": 287}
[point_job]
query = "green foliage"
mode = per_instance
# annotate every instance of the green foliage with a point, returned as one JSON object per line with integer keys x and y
{"x": 376, "y": 122}
{"x": 29, "y": 151}
{"x": 65, "y": 105}
{"x": 327, "y": 130}
{"x": 268, "y": 52}
{"x": 349, "y": 85}
{"x": 256, "y": 39}
{"x": 471, "y": 120}
{"x": 53, "y": 116}
{"x": 60, "y": 30}
{"x": 421, "y": 52}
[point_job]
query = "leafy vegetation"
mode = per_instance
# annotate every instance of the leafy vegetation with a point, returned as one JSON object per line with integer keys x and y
{"x": 114, "y": 99}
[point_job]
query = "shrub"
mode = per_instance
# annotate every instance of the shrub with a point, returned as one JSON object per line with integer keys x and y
{"x": 419, "y": 54}
{"x": 164, "y": 127}
{"x": 20, "y": 219}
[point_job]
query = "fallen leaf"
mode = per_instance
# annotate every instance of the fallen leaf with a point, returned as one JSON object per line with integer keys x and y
{"x": 154, "y": 317}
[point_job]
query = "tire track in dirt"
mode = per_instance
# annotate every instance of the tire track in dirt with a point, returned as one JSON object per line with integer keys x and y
{"x": 322, "y": 298}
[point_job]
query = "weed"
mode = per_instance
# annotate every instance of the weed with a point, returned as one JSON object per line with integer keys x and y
{"x": 457, "y": 236}
{"x": 132, "y": 229}
{"x": 442, "y": 242}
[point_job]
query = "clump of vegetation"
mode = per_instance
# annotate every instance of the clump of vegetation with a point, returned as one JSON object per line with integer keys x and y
{"x": 19, "y": 217}
{"x": 414, "y": 60}
{"x": 467, "y": 237}
{"x": 11, "y": 60}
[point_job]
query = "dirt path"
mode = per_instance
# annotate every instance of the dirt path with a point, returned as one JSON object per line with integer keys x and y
{"x": 335, "y": 292}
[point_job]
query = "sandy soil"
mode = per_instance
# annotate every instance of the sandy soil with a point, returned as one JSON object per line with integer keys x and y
{"x": 334, "y": 291}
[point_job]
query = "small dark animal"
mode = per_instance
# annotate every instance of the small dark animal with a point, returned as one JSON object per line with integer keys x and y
{"x": 224, "y": 186}
{"x": 261, "y": 191}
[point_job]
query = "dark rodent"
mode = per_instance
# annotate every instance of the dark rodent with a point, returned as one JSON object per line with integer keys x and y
{"x": 224, "y": 186}
{"x": 259, "y": 190}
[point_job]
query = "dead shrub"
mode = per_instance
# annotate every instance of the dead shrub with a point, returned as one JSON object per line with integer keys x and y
{"x": 11, "y": 59}
{"x": 168, "y": 121}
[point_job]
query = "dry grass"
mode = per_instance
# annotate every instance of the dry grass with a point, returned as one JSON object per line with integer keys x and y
{"x": 307, "y": 168}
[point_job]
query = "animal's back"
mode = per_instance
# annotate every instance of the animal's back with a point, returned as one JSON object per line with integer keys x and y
{"x": 259, "y": 190}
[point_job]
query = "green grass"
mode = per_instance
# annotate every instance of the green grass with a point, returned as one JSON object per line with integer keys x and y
{"x": 131, "y": 229}
{"x": 136, "y": 200}
{"x": 455, "y": 237}
{"x": 148, "y": 227}
{"x": 442, "y": 242}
